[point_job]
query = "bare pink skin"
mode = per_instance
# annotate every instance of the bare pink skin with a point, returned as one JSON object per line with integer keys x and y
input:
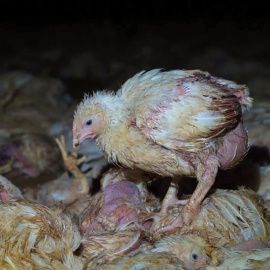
{"x": 4, "y": 196}
{"x": 250, "y": 245}
{"x": 234, "y": 147}
{"x": 122, "y": 204}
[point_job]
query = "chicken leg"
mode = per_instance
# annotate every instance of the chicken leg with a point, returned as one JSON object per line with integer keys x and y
{"x": 206, "y": 177}
{"x": 192, "y": 208}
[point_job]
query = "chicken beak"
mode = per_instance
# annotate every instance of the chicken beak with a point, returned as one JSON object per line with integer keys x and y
{"x": 75, "y": 143}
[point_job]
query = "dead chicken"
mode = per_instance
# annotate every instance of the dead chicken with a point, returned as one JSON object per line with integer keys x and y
{"x": 169, "y": 123}
{"x": 113, "y": 225}
{"x": 119, "y": 203}
{"x": 191, "y": 250}
{"x": 139, "y": 177}
{"x": 101, "y": 248}
{"x": 33, "y": 237}
{"x": 228, "y": 220}
{"x": 233, "y": 219}
{"x": 65, "y": 190}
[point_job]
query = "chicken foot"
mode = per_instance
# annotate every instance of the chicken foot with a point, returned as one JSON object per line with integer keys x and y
{"x": 170, "y": 199}
{"x": 71, "y": 162}
{"x": 206, "y": 178}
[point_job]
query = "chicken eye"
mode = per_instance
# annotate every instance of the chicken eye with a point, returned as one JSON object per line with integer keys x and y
{"x": 194, "y": 257}
{"x": 89, "y": 122}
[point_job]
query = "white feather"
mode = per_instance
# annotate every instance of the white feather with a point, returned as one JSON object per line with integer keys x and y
{"x": 207, "y": 118}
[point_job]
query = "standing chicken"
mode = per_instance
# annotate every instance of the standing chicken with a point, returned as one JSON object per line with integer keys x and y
{"x": 170, "y": 123}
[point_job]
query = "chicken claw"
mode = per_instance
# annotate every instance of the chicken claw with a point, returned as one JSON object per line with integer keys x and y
{"x": 71, "y": 161}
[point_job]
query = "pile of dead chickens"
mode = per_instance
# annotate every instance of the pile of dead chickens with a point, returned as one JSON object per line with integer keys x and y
{"x": 54, "y": 215}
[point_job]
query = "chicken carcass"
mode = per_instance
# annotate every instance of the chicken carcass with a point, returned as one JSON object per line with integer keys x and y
{"x": 33, "y": 237}
{"x": 170, "y": 123}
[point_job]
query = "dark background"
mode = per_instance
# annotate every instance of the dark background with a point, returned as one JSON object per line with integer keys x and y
{"x": 45, "y": 12}
{"x": 125, "y": 37}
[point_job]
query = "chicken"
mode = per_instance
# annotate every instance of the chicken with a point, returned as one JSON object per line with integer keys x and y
{"x": 170, "y": 123}
{"x": 114, "y": 175}
{"x": 34, "y": 237}
{"x": 230, "y": 218}
{"x": 230, "y": 222}
{"x": 119, "y": 203}
{"x": 101, "y": 248}
{"x": 233, "y": 220}
{"x": 188, "y": 249}
{"x": 95, "y": 163}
